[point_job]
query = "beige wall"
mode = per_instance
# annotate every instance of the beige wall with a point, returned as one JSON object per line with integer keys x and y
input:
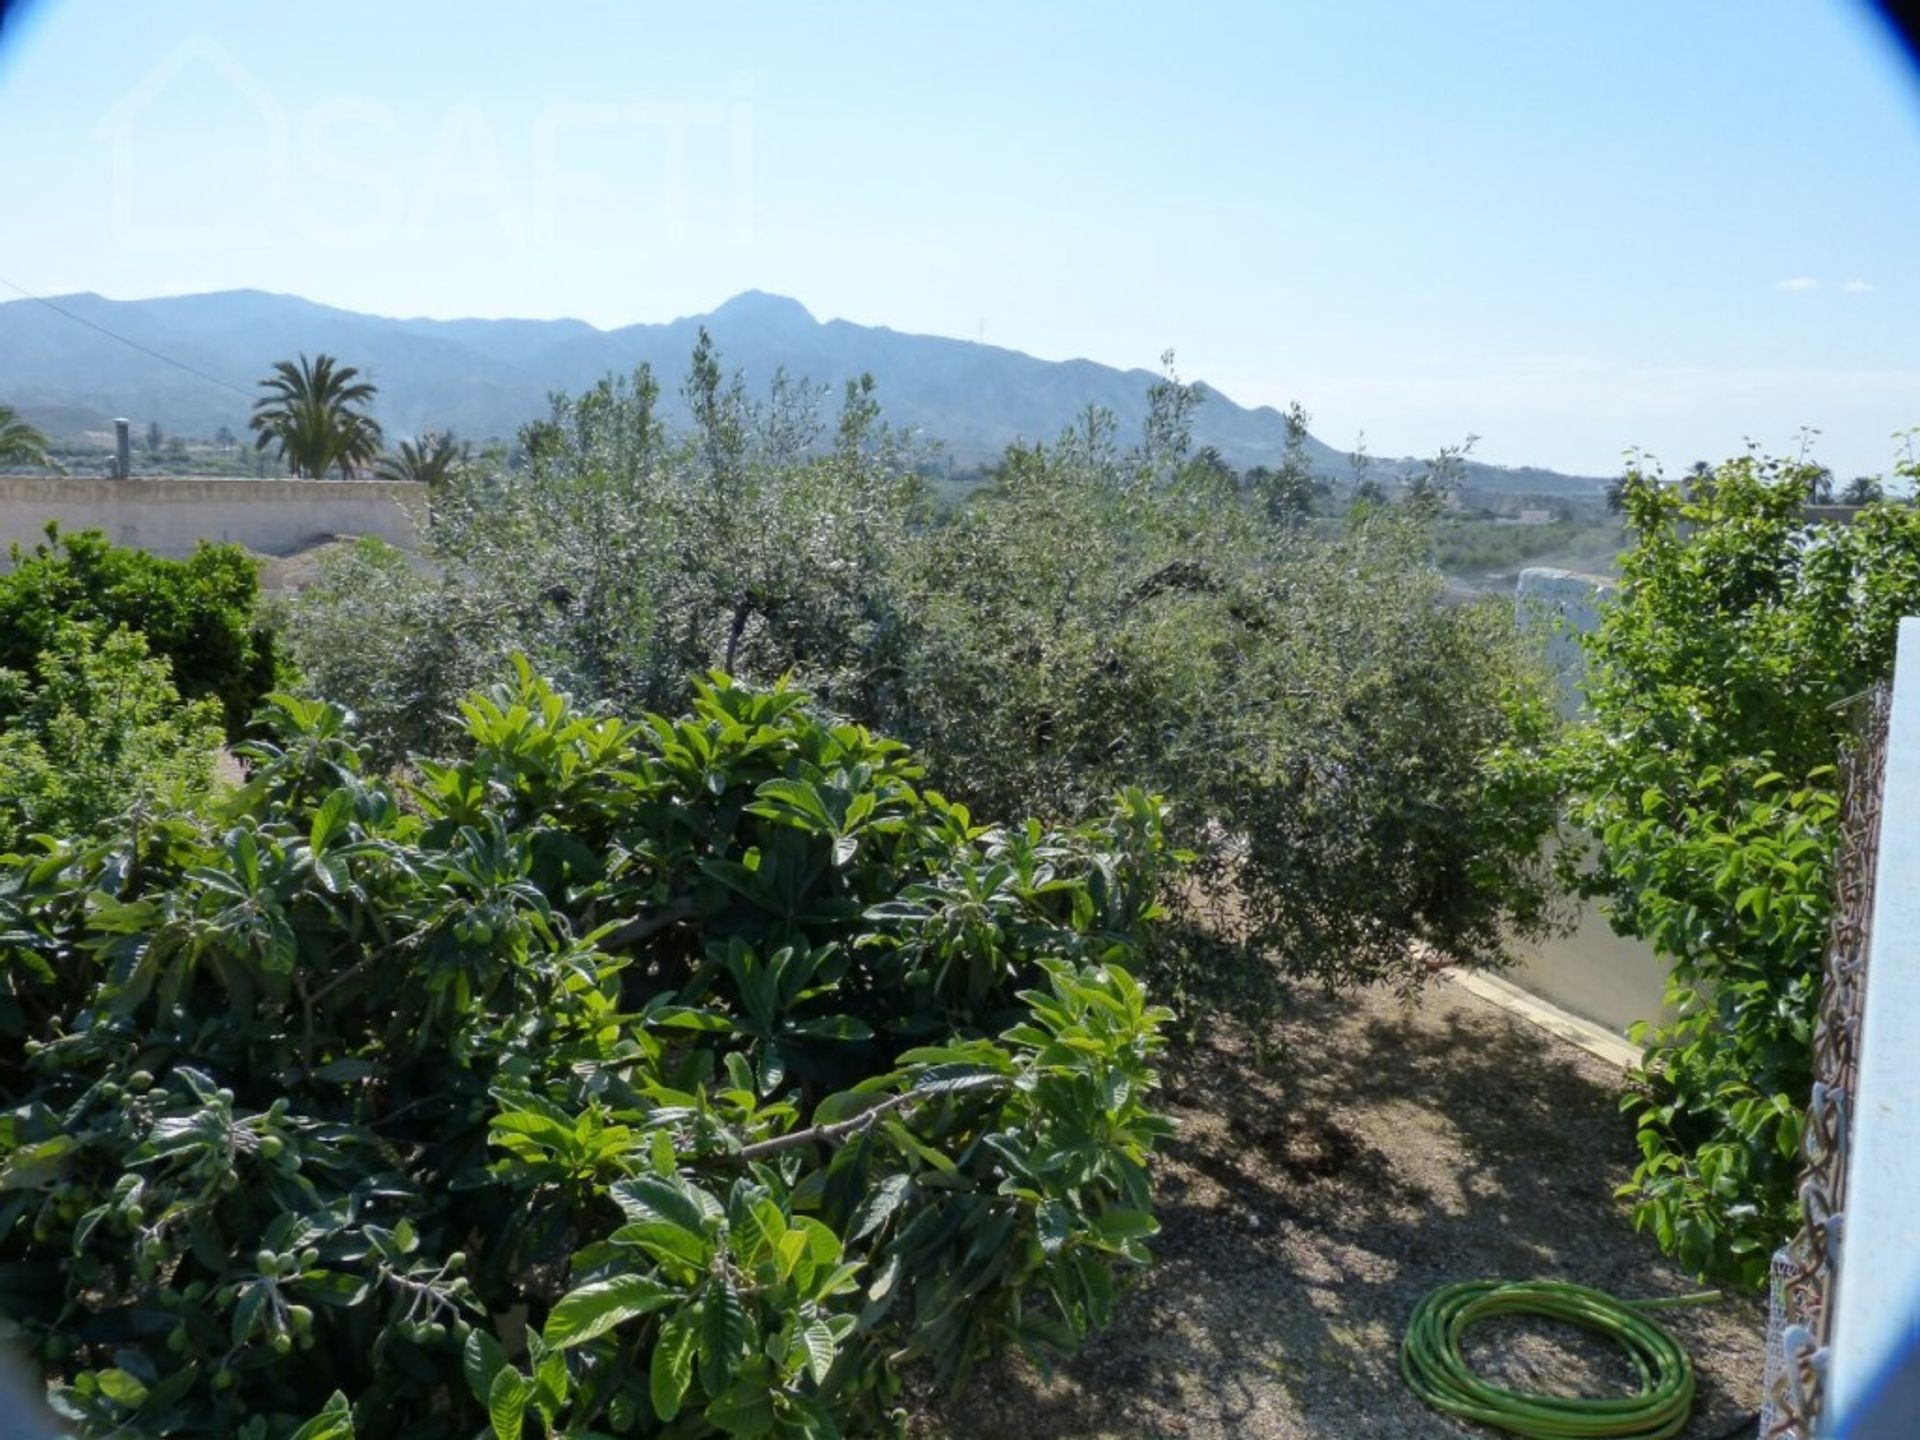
{"x": 1594, "y": 973}
{"x": 168, "y": 517}
{"x": 1590, "y": 971}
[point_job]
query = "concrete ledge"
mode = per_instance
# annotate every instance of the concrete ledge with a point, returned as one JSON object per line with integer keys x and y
{"x": 1596, "y": 1040}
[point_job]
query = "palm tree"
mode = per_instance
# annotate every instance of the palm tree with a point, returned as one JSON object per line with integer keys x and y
{"x": 20, "y": 443}
{"x": 315, "y": 413}
{"x": 1862, "y": 490}
{"x": 1699, "y": 483}
{"x": 432, "y": 462}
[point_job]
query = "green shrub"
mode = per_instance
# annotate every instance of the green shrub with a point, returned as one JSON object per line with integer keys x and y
{"x": 1722, "y": 690}
{"x": 622, "y": 561}
{"x": 1318, "y": 717}
{"x": 682, "y": 1078}
{"x": 197, "y": 613}
{"x": 102, "y": 730}
{"x": 398, "y": 648}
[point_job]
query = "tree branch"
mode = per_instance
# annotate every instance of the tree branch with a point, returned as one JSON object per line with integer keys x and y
{"x": 742, "y": 612}
{"x": 645, "y": 927}
{"x": 833, "y": 1134}
{"x": 827, "y": 1134}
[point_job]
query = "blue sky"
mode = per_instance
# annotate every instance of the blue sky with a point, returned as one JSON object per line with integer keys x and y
{"x": 1567, "y": 228}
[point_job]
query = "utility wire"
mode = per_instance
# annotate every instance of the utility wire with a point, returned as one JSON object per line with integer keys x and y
{"x": 130, "y": 344}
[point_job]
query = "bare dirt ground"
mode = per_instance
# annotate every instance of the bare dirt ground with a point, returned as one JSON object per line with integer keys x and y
{"x": 1390, "y": 1149}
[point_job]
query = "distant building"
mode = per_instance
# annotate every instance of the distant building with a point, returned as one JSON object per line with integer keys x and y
{"x": 1534, "y": 517}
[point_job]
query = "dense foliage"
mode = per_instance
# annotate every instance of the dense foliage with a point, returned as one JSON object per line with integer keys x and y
{"x": 99, "y": 732}
{"x": 1316, "y": 715}
{"x": 198, "y": 614}
{"x": 1722, "y": 688}
{"x": 624, "y": 562}
{"x": 674, "y": 1078}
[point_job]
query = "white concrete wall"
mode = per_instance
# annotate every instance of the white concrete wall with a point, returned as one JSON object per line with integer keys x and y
{"x": 1875, "y": 1366}
{"x": 169, "y": 516}
{"x": 1592, "y": 972}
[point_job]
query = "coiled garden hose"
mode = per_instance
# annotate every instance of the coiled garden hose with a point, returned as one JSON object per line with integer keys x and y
{"x": 1436, "y": 1369}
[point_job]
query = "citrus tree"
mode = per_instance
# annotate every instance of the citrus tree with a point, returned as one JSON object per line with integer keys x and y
{"x": 97, "y": 730}
{"x": 1723, "y": 689}
{"x": 199, "y": 614}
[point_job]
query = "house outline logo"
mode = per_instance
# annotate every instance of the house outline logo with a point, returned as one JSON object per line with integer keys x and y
{"x": 118, "y": 125}
{"x": 205, "y": 67}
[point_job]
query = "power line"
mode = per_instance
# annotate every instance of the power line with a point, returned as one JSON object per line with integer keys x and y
{"x": 130, "y": 344}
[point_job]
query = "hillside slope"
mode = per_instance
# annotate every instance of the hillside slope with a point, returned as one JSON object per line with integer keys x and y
{"x": 487, "y": 377}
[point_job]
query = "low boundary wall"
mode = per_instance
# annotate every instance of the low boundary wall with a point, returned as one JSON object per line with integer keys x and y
{"x": 170, "y": 516}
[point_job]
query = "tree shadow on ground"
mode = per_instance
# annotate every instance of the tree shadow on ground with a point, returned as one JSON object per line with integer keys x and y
{"x": 1390, "y": 1149}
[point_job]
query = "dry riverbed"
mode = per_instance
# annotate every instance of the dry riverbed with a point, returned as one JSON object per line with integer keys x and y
{"x": 1390, "y": 1149}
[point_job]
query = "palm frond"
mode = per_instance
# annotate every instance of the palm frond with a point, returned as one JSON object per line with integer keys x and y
{"x": 315, "y": 412}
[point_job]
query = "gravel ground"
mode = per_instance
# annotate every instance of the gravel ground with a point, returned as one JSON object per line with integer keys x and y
{"x": 1391, "y": 1148}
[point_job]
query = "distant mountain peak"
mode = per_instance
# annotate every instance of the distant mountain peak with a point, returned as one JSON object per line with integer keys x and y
{"x": 758, "y": 307}
{"x": 485, "y": 378}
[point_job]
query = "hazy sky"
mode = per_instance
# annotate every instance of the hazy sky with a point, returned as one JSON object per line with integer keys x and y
{"x": 1567, "y": 227}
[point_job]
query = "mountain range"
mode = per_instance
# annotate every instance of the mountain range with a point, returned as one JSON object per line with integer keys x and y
{"x": 72, "y": 364}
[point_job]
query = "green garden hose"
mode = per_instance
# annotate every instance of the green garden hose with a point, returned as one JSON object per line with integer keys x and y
{"x": 1431, "y": 1358}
